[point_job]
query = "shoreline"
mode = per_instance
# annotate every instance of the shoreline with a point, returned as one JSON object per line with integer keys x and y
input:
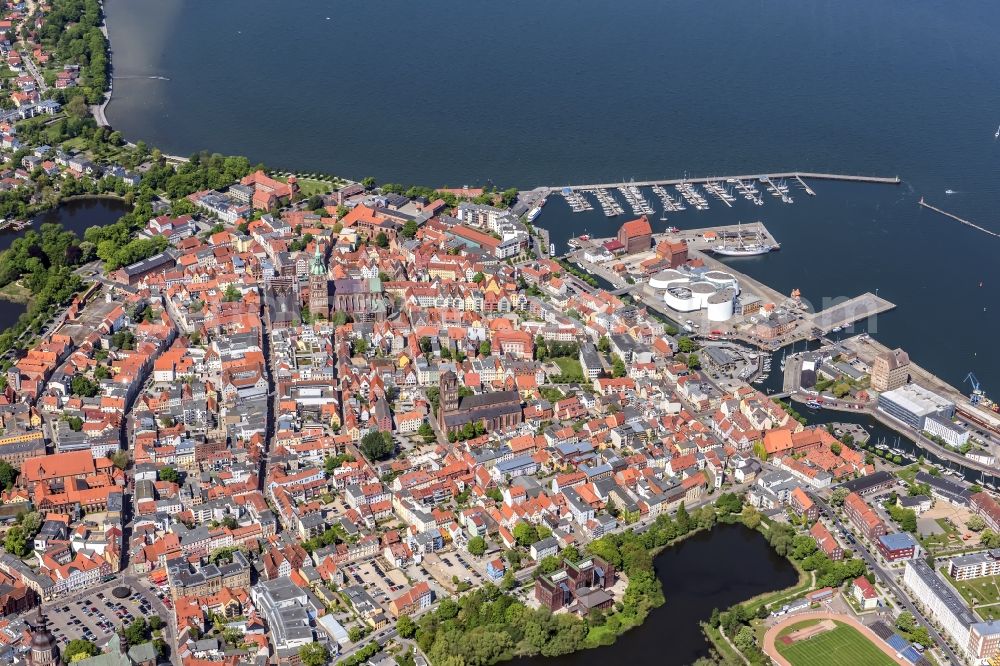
{"x": 99, "y": 110}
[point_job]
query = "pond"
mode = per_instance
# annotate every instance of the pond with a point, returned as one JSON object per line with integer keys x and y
{"x": 75, "y": 215}
{"x": 714, "y": 569}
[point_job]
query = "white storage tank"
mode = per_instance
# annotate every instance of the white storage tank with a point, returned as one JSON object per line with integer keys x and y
{"x": 721, "y": 305}
{"x": 665, "y": 278}
{"x": 681, "y": 298}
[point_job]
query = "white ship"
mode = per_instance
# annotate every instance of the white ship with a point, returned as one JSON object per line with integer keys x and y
{"x": 751, "y": 250}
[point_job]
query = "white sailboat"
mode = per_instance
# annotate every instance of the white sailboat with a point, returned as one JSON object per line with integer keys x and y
{"x": 997, "y": 135}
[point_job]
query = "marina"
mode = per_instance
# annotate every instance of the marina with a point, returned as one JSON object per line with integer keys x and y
{"x": 784, "y": 175}
{"x": 748, "y": 190}
{"x": 692, "y": 196}
{"x": 724, "y": 189}
{"x": 635, "y": 199}
{"x": 670, "y": 205}
{"x": 607, "y": 202}
{"x": 720, "y": 192}
{"x": 777, "y": 189}
{"x": 577, "y": 202}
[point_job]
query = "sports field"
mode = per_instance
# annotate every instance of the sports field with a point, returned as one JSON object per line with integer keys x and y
{"x": 836, "y": 647}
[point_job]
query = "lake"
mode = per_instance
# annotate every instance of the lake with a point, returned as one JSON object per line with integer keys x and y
{"x": 75, "y": 215}
{"x": 714, "y": 569}
{"x": 527, "y": 93}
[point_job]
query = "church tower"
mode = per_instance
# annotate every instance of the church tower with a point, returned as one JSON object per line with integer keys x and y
{"x": 448, "y": 396}
{"x": 43, "y": 649}
{"x": 319, "y": 295}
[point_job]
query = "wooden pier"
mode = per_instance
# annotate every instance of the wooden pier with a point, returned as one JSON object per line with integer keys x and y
{"x": 804, "y": 186}
{"x": 957, "y": 218}
{"x": 788, "y": 175}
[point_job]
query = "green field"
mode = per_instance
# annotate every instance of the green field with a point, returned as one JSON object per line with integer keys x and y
{"x": 843, "y": 645}
{"x": 570, "y": 368}
{"x": 983, "y": 594}
{"x": 309, "y": 186}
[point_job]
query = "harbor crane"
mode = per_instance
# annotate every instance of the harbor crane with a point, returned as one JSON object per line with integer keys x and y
{"x": 977, "y": 392}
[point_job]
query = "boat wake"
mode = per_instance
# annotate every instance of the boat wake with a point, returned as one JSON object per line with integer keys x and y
{"x": 153, "y": 78}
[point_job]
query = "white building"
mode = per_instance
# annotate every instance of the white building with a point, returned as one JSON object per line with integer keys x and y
{"x": 943, "y": 604}
{"x": 713, "y": 291}
{"x": 951, "y": 432}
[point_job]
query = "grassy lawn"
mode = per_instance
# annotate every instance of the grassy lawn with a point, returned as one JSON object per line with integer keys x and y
{"x": 796, "y": 626}
{"x": 979, "y": 592}
{"x": 721, "y": 645}
{"x": 15, "y": 292}
{"x": 309, "y": 186}
{"x": 76, "y": 143}
{"x": 946, "y": 525}
{"x": 909, "y": 474}
{"x": 570, "y": 368}
{"x": 843, "y": 645}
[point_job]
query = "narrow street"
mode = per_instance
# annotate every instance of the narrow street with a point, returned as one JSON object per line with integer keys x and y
{"x": 43, "y": 87}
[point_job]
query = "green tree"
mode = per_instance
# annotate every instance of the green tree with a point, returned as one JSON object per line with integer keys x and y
{"x": 405, "y": 627}
{"x": 409, "y": 229}
{"x": 382, "y": 240}
{"x": 838, "y": 496}
{"x": 745, "y": 641}
{"x": 82, "y": 386}
{"x": 314, "y": 654}
{"x": 377, "y": 445}
{"x": 119, "y": 459}
{"x": 169, "y": 474}
{"x": 976, "y": 523}
{"x": 525, "y": 533}
{"x": 426, "y": 431}
{"x": 485, "y": 348}
{"x": 8, "y": 474}
{"x": 232, "y": 294}
{"x": 686, "y": 345}
{"x": 137, "y": 632}
{"x": 618, "y": 368}
{"x": 15, "y": 542}
{"x": 477, "y": 546}
{"x": 77, "y": 649}
{"x": 478, "y": 277}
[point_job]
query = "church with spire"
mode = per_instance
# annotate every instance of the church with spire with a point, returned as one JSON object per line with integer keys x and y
{"x": 43, "y": 650}
{"x": 319, "y": 285}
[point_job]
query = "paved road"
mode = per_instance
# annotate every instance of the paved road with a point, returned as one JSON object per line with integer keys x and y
{"x": 888, "y": 579}
{"x": 35, "y": 74}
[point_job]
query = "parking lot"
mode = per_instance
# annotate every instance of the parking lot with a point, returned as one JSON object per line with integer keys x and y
{"x": 444, "y": 567}
{"x": 95, "y": 615}
{"x": 382, "y": 583}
